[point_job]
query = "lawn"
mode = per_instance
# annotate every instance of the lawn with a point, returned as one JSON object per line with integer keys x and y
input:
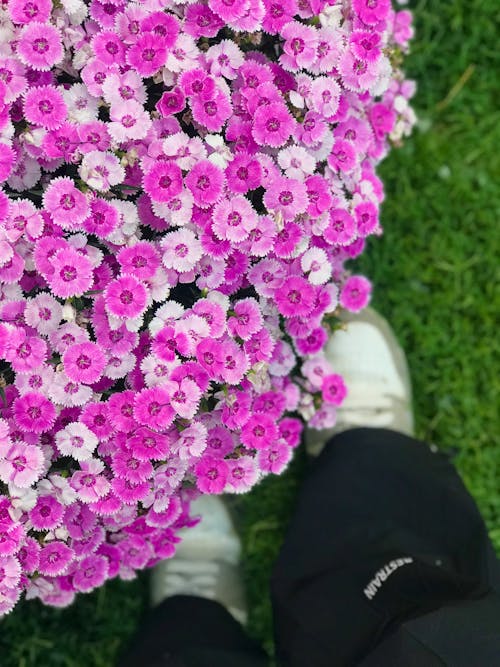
{"x": 436, "y": 275}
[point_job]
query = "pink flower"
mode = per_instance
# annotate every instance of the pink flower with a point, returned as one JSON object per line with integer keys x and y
{"x": 341, "y": 229}
{"x": 21, "y": 464}
{"x": 163, "y": 181}
{"x": 165, "y": 27}
{"x": 34, "y": 412}
{"x": 145, "y": 444}
{"x": 288, "y": 196}
{"x": 47, "y": 513}
{"x": 213, "y": 112}
{"x": 10, "y": 572}
{"x": 24, "y": 11}
{"x": 29, "y": 555}
{"x": 233, "y": 220}
{"x": 76, "y": 440}
{"x": 45, "y": 106}
{"x": 324, "y": 96}
{"x": 242, "y": 475}
{"x": 43, "y": 312}
{"x": 211, "y": 475}
{"x": 129, "y": 121}
{"x": 275, "y": 458}
{"x": 96, "y": 417}
{"x": 67, "y": 205}
{"x": 184, "y": 397}
{"x": 295, "y": 297}
{"x": 234, "y": 362}
{"x": 147, "y": 55}
{"x": 278, "y": 13}
{"x": 355, "y": 293}
{"x": 247, "y": 319}
{"x": 101, "y": 171}
{"x": 55, "y": 558}
{"x": 39, "y": 46}
{"x": 259, "y": 431}
{"x": 366, "y": 214}
{"x": 192, "y": 441}
{"x": 88, "y": 482}
{"x": 205, "y": 182}
{"x": 152, "y": 408}
{"x": 91, "y": 573}
{"x": 272, "y": 125}
{"x": 25, "y": 352}
{"x": 72, "y": 274}
{"x": 125, "y": 464}
{"x": 299, "y": 49}
{"x": 342, "y": 156}
{"x": 126, "y": 297}
{"x": 372, "y": 12}
{"x": 84, "y": 362}
{"x": 181, "y": 250}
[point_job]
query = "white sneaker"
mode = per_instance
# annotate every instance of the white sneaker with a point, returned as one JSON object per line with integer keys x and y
{"x": 206, "y": 561}
{"x": 367, "y": 354}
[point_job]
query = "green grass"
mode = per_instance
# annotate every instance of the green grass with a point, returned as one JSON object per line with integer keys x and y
{"x": 436, "y": 276}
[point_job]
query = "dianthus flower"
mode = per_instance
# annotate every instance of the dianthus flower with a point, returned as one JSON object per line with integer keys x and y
{"x": 39, "y": 46}
{"x": 44, "y": 106}
{"x": 72, "y": 273}
{"x": 126, "y": 297}
{"x": 65, "y": 203}
{"x": 272, "y": 125}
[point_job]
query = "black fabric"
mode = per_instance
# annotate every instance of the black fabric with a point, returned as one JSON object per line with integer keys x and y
{"x": 386, "y": 563}
{"x": 187, "y": 631}
{"x": 374, "y": 497}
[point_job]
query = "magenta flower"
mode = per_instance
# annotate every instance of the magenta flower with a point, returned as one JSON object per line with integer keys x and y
{"x": 341, "y": 229}
{"x": 342, "y": 156}
{"x": 84, "y": 362}
{"x": 72, "y": 274}
{"x": 55, "y": 558}
{"x": 25, "y": 11}
{"x": 146, "y": 444}
{"x": 371, "y": 11}
{"x": 163, "y": 181}
{"x": 333, "y": 389}
{"x": 47, "y": 513}
{"x": 299, "y": 49}
{"x": 205, "y": 181}
{"x": 39, "y": 46}
{"x": 147, "y": 55}
{"x": 275, "y": 458}
{"x": 45, "y": 106}
{"x": 126, "y": 297}
{"x": 211, "y": 113}
{"x": 152, "y": 408}
{"x": 259, "y": 431}
{"x": 211, "y": 475}
{"x": 272, "y": 125}
{"x": 34, "y": 413}
{"x": 355, "y": 294}
{"x": 29, "y": 555}
{"x": 92, "y": 572}
{"x": 295, "y": 297}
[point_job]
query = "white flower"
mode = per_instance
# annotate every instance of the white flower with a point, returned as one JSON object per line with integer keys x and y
{"x": 221, "y": 154}
{"x": 315, "y": 262}
{"x": 82, "y": 108}
{"x": 76, "y": 440}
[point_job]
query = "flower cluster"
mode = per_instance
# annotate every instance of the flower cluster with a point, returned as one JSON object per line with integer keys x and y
{"x": 181, "y": 184}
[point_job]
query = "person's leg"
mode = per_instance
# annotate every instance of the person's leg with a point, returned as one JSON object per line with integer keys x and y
{"x": 383, "y": 530}
{"x": 198, "y": 602}
{"x": 191, "y": 631}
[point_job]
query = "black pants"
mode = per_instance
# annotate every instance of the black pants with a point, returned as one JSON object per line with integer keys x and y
{"x": 386, "y": 563}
